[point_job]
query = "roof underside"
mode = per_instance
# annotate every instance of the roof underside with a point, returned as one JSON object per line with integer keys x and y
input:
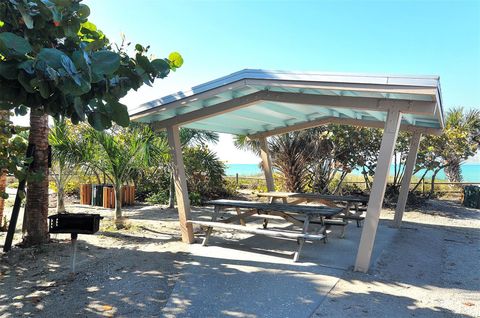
{"x": 262, "y": 103}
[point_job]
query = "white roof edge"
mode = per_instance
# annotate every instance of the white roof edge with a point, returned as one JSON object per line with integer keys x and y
{"x": 350, "y": 78}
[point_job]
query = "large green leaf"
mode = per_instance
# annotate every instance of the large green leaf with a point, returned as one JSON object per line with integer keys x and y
{"x": 99, "y": 121}
{"x": 68, "y": 86}
{"x": 79, "y": 106}
{"x": 52, "y": 57}
{"x": 105, "y": 62}
{"x": 44, "y": 89}
{"x": 12, "y": 45}
{"x": 144, "y": 63}
{"x": 83, "y": 11}
{"x": 161, "y": 67}
{"x": 25, "y": 81}
{"x": 27, "y": 66}
{"x": 8, "y": 70}
{"x": 71, "y": 69}
{"x": 176, "y": 59}
{"x": 119, "y": 113}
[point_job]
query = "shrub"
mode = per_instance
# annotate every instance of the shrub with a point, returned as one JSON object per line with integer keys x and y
{"x": 150, "y": 182}
{"x": 157, "y": 198}
{"x": 205, "y": 172}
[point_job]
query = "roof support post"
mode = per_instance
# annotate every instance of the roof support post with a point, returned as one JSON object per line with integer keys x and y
{"x": 407, "y": 178}
{"x": 377, "y": 193}
{"x": 180, "y": 180}
{"x": 267, "y": 164}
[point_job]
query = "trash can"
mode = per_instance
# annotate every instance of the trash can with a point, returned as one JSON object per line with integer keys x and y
{"x": 97, "y": 194}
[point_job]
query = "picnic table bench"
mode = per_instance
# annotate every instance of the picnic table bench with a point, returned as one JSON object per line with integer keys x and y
{"x": 301, "y": 215}
{"x": 356, "y": 203}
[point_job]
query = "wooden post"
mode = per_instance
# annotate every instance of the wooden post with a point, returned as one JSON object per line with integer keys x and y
{"x": 267, "y": 164}
{"x": 377, "y": 192}
{"x": 407, "y": 178}
{"x": 236, "y": 180}
{"x": 180, "y": 181}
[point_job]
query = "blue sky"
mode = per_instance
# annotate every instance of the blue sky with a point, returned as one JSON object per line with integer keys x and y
{"x": 220, "y": 37}
{"x": 217, "y": 38}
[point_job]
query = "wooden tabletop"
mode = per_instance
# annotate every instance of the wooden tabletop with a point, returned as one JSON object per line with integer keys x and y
{"x": 289, "y": 208}
{"x": 343, "y": 198}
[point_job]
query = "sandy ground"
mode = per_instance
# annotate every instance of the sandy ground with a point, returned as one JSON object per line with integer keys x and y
{"x": 433, "y": 270}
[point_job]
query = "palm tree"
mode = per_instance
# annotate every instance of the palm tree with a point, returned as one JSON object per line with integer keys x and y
{"x": 449, "y": 150}
{"x": 121, "y": 152}
{"x": 68, "y": 152}
{"x": 290, "y": 154}
{"x": 470, "y": 122}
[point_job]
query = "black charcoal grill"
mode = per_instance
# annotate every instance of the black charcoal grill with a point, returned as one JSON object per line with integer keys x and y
{"x": 74, "y": 224}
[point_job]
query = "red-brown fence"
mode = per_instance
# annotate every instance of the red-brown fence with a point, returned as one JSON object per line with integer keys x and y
{"x": 108, "y": 196}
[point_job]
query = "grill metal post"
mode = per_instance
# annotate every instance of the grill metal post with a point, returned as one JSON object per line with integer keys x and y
{"x": 74, "y": 237}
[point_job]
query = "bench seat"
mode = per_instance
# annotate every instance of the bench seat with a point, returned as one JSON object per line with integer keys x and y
{"x": 267, "y": 232}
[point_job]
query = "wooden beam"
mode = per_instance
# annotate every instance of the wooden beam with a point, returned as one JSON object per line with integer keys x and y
{"x": 180, "y": 180}
{"x": 210, "y": 111}
{"x": 369, "y": 103}
{"x": 377, "y": 192}
{"x": 363, "y": 103}
{"x": 159, "y": 105}
{"x": 357, "y": 87}
{"x": 407, "y": 178}
{"x": 341, "y": 121}
{"x": 267, "y": 164}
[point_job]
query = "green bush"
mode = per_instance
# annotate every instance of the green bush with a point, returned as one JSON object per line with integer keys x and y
{"x": 195, "y": 198}
{"x": 152, "y": 182}
{"x": 205, "y": 172}
{"x": 205, "y": 178}
{"x": 157, "y": 198}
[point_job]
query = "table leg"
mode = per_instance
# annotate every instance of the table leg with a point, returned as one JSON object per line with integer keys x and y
{"x": 265, "y": 221}
{"x": 301, "y": 241}
{"x": 242, "y": 220}
{"x": 357, "y": 213}
{"x": 209, "y": 229}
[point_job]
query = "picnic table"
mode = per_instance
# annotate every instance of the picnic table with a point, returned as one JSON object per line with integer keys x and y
{"x": 356, "y": 203}
{"x": 301, "y": 215}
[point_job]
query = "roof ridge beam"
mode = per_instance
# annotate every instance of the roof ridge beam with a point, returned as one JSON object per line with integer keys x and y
{"x": 368, "y": 103}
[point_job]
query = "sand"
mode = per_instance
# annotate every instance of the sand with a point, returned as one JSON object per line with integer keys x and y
{"x": 433, "y": 270}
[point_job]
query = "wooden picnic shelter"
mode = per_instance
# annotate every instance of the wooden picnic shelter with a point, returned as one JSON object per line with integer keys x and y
{"x": 260, "y": 103}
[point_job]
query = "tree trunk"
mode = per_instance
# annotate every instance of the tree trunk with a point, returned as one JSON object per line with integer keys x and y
{"x": 419, "y": 181}
{"x": 60, "y": 200}
{"x": 171, "y": 198}
{"x": 60, "y": 191}
{"x": 118, "y": 202}
{"x": 4, "y": 115}
{"x": 3, "y": 186}
{"x": 36, "y": 207}
{"x": 339, "y": 185}
{"x": 432, "y": 184}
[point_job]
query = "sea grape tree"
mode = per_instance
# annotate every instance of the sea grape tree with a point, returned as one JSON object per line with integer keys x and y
{"x": 54, "y": 61}
{"x": 53, "y": 58}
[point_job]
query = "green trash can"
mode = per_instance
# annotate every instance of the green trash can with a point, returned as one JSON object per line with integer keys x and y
{"x": 97, "y": 194}
{"x": 471, "y": 197}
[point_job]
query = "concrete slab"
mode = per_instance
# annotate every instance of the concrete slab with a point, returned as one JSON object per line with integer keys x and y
{"x": 241, "y": 275}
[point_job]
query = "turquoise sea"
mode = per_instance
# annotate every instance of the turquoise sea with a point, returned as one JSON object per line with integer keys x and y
{"x": 470, "y": 171}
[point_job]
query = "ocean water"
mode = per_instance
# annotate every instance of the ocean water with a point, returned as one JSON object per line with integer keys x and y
{"x": 470, "y": 171}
